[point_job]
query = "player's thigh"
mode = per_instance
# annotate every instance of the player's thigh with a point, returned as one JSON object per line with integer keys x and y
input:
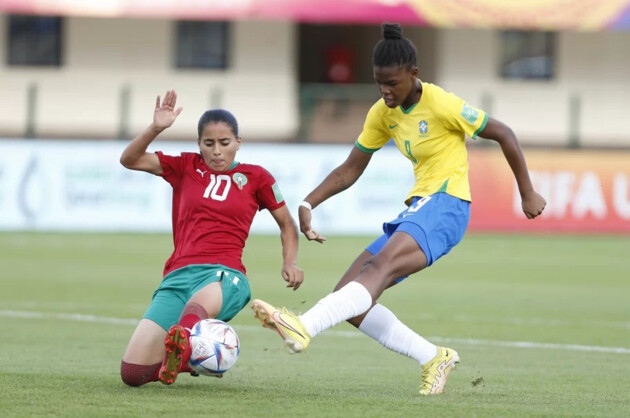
{"x": 375, "y": 247}
{"x": 400, "y": 256}
{"x": 354, "y": 269}
{"x": 224, "y": 298}
{"x": 210, "y": 297}
{"x": 146, "y": 345}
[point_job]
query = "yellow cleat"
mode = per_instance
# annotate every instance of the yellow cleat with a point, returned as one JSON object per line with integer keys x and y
{"x": 436, "y": 371}
{"x": 285, "y": 323}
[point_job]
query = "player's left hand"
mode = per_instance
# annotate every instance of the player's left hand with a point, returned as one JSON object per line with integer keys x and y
{"x": 533, "y": 204}
{"x": 293, "y": 275}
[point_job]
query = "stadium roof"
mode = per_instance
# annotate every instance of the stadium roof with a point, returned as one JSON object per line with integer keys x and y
{"x": 516, "y": 14}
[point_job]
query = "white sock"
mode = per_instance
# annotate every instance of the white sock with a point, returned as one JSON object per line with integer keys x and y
{"x": 351, "y": 300}
{"x": 382, "y": 325}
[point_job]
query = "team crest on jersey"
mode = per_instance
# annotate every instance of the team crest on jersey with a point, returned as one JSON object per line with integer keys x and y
{"x": 423, "y": 127}
{"x": 240, "y": 180}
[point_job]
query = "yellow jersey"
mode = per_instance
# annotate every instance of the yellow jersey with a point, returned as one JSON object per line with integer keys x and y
{"x": 431, "y": 135}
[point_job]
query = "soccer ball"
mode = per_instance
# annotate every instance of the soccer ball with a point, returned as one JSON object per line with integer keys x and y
{"x": 214, "y": 347}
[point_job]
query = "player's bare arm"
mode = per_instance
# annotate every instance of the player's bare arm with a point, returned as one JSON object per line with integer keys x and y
{"x": 291, "y": 273}
{"x": 135, "y": 155}
{"x": 532, "y": 203}
{"x": 341, "y": 178}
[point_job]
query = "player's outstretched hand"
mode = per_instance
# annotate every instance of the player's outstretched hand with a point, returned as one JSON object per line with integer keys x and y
{"x": 533, "y": 204}
{"x": 293, "y": 275}
{"x": 165, "y": 113}
{"x": 305, "y": 226}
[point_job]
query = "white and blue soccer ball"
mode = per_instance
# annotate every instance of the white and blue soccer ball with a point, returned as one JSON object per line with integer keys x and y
{"x": 214, "y": 347}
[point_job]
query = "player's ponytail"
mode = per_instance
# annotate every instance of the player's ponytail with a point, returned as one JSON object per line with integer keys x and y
{"x": 393, "y": 49}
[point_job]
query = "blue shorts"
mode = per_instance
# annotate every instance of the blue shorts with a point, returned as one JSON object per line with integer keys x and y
{"x": 437, "y": 222}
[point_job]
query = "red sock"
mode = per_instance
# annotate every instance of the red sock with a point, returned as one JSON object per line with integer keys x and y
{"x": 138, "y": 375}
{"x": 192, "y": 313}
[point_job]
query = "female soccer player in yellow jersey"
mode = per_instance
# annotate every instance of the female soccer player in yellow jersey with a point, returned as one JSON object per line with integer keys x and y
{"x": 428, "y": 126}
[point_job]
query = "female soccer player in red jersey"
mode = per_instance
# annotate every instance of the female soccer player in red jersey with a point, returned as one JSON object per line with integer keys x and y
{"x": 428, "y": 125}
{"x": 215, "y": 199}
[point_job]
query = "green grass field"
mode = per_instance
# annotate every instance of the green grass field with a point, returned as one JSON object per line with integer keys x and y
{"x": 542, "y": 324}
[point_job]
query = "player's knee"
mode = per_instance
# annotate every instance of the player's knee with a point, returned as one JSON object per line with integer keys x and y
{"x": 379, "y": 273}
{"x": 374, "y": 266}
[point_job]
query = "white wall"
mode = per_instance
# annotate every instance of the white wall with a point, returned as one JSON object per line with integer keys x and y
{"x": 101, "y": 56}
{"x": 598, "y": 69}
{"x": 595, "y": 67}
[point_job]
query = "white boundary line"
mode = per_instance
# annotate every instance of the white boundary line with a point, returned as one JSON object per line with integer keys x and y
{"x": 68, "y": 317}
{"x": 343, "y": 334}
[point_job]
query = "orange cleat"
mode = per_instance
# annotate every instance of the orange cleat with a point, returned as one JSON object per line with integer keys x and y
{"x": 177, "y": 347}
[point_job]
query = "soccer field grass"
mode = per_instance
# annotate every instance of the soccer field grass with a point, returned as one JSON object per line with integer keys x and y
{"x": 541, "y": 323}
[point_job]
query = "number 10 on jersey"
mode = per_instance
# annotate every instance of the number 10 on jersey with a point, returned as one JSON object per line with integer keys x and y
{"x": 216, "y": 183}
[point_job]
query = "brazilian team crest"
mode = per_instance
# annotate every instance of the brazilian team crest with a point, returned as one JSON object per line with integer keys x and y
{"x": 240, "y": 179}
{"x": 423, "y": 126}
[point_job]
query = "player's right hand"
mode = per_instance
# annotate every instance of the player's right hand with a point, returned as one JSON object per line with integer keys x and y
{"x": 304, "y": 215}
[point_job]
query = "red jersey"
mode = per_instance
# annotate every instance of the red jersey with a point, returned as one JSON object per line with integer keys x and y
{"x": 213, "y": 211}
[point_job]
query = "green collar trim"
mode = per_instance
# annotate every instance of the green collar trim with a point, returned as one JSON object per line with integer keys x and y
{"x": 406, "y": 111}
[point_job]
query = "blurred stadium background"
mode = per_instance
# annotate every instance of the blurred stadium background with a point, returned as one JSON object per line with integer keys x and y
{"x": 79, "y": 79}
{"x": 538, "y": 309}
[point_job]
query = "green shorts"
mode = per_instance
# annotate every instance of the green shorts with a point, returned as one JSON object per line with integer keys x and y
{"x": 179, "y": 285}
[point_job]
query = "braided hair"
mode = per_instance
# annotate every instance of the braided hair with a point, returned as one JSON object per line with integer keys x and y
{"x": 393, "y": 49}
